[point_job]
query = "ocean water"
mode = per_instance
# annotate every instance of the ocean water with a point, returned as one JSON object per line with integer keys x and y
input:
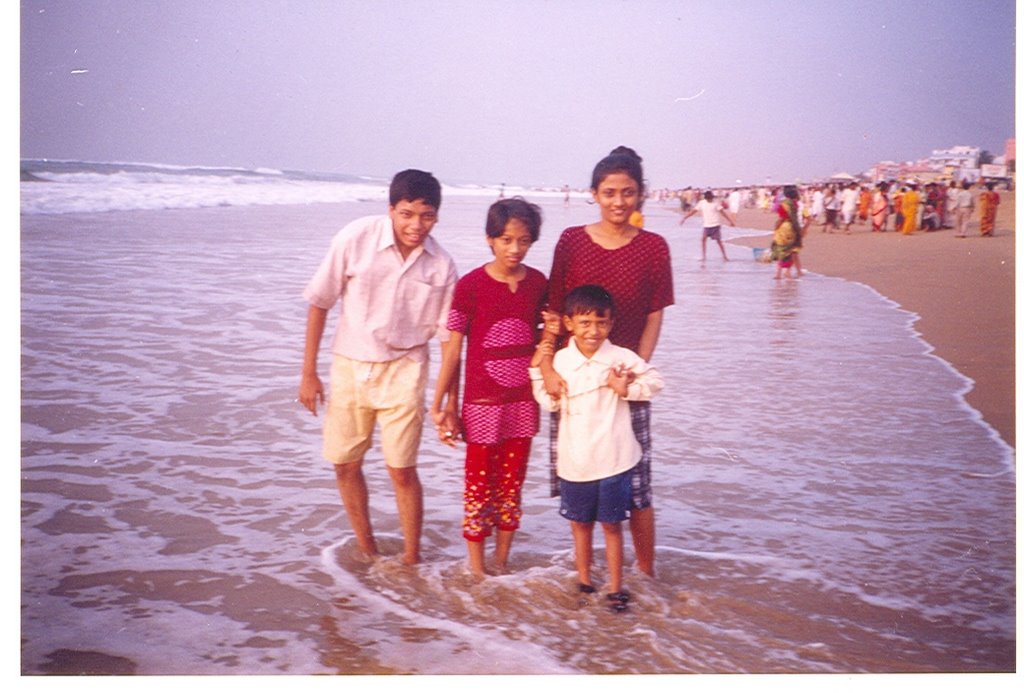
{"x": 826, "y": 501}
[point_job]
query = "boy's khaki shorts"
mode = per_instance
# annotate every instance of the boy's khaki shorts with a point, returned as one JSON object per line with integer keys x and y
{"x": 362, "y": 394}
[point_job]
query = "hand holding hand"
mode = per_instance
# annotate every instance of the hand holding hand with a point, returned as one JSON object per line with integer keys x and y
{"x": 449, "y": 428}
{"x": 552, "y": 323}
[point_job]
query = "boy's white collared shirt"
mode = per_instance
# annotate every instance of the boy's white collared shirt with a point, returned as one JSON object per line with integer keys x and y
{"x": 391, "y": 306}
{"x": 595, "y": 432}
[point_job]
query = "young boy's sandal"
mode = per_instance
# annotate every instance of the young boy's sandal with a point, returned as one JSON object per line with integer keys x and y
{"x": 618, "y": 601}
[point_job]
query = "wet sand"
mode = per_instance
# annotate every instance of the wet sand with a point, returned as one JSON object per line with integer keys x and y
{"x": 962, "y": 289}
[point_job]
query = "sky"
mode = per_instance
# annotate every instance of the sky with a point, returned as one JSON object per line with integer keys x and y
{"x": 709, "y": 92}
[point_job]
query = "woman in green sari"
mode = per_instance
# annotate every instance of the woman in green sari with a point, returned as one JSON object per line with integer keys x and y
{"x": 788, "y": 237}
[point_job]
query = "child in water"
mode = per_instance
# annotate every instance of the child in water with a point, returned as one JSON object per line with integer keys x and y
{"x": 495, "y": 310}
{"x": 596, "y": 446}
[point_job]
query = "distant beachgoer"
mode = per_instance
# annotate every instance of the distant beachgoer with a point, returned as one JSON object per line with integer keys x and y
{"x": 495, "y": 310}
{"x": 880, "y": 208}
{"x": 805, "y": 209}
{"x": 864, "y": 203}
{"x": 908, "y": 205}
{"x": 634, "y": 265}
{"x": 686, "y": 200}
{"x": 832, "y": 204}
{"x": 848, "y": 208}
{"x": 395, "y": 284}
{"x": 932, "y": 199}
{"x": 817, "y": 206}
{"x": 734, "y": 202}
{"x": 964, "y": 209}
{"x": 952, "y": 202}
{"x": 565, "y": 189}
{"x": 988, "y": 205}
{"x": 943, "y": 205}
{"x": 786, "y": 241}
{"x": 896, "y": 207}
{"x": 597, "y": 449}
{"x": 712, "y": 213}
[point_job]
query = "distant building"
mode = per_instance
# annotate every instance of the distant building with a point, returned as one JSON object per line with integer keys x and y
{"x": 920, "y": 171}
{"x": 959, "y": 157}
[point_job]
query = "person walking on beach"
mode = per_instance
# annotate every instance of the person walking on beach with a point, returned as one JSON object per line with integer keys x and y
{"x": 635, "y": 267}
{"x": 395, "y": 284}
{"x": 909, "y": 204}
{"x": 964, "y": 209}
{"x": 864, "y": 203}
{"x": 952, "y": 201}
{"x": 848, "y": 208}
{"x": 734, "y": 202}
{"x": 880, "y": 208}
{"x": 988, "y": 205}
{"x": 712, "y": 212}
{"x": 496, "y": 310}
{"x": 817, "y": 207}
{"x": 596, "y": 446}
{"x": 786, "y": 241}
{"x": 832, "y": 204}
{"x": 896, "y": 207}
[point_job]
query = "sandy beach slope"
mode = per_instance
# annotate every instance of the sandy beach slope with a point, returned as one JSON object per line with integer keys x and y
{"x": 962, "y": 289}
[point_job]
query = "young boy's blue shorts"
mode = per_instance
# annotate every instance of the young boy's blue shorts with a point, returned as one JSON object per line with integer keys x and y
{"x": 603, "y": 500}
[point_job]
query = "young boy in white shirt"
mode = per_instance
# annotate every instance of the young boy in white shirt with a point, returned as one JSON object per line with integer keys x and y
{"x": 596, "y": 446}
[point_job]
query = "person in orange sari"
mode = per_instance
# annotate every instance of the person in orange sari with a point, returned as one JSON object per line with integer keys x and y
{"x": 911, "y": 199}
{"x": 880, "y": 208}
{"x": 988, "y": 203}
{"x": 864, "y": 203}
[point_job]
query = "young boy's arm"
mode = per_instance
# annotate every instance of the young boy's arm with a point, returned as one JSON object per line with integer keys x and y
{"x": 446, "y": 415}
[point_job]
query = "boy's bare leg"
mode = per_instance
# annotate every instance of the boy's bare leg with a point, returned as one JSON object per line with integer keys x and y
{"x": 583, "y": 541}
{"x": 409, "y": 498}
{"x": 475, "y": 552}
{"x": 641, "y": 526}
{"x": 502, "y": 548}
{"x": 354, "y": 496}
{"x": 613, "y": 554}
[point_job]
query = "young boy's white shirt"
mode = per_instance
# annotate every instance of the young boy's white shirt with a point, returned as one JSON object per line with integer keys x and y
{"x": 595, "y": 432}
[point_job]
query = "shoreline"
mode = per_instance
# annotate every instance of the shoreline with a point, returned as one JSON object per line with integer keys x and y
{"x": 962, "y": 291}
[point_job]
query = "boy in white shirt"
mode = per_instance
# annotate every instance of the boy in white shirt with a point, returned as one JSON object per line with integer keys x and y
{"x": 596, "y": 446}
{"x": 712, "y": 213}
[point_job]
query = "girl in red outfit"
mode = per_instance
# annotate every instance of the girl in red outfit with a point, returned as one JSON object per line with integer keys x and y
{"x": 634, "y": 266}
{"x": 496, "y": 310}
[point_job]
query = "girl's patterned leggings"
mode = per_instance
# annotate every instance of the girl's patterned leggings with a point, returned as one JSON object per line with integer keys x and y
{"x": 494, "y": 486}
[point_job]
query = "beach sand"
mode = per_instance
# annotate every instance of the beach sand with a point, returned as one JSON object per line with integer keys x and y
{"x": 962, "y": 289}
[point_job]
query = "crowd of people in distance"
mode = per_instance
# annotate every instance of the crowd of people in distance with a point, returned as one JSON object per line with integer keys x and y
{"x": 904, "y": 206}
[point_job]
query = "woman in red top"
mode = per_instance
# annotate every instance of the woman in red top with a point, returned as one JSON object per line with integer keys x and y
{"x": 634, "y": 266}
